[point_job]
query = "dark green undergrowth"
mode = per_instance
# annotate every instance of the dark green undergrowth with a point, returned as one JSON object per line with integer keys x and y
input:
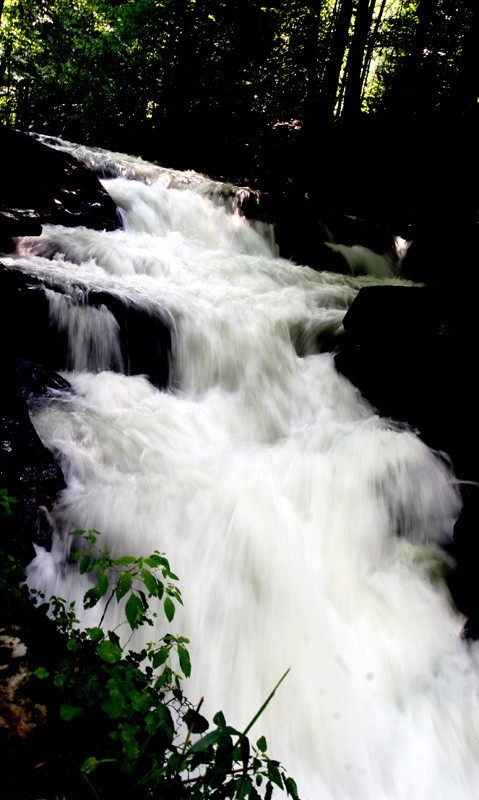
{"x": 118, "y": 724}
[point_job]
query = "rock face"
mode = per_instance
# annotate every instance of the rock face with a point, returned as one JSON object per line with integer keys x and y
{"x": 33, "y": 353}
{"x": 47, "y": 186}
{"x": 27, "y": 469}
{"x": 144, "y": 341}
{"x": 410, "y": 351}
{"x": 28, "y": 707}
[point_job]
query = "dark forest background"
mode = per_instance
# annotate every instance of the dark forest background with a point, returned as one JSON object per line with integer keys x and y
{"x": 249, "y": 90}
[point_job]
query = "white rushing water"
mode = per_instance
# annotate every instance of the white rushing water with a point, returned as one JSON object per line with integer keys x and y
{"x": 305, "y": 530}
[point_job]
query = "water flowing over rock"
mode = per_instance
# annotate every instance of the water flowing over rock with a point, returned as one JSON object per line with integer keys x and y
{"x": 307, "y": 530}
{"x": 410, "y": 351}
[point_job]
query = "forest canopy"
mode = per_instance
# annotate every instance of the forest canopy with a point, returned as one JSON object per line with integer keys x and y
{"x": 117, "y": 72}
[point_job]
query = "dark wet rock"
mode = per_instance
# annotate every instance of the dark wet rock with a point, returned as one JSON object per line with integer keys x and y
{"x": 44, "y": 185}
{"x": 145, "y": 341}
{"x": 36, "y": 380}
{"x": 443, "y": 247}
{"x": 29, "y": 706}
{"x": 28, "y": 471}
{"x": 17, "y": 222}
{"x": 25, "y": 315}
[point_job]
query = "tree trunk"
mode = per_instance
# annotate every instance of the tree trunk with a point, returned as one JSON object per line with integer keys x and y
{"x": 371, "y": 45}
{"x": 330, "y": 83}
{"x": 354, "y": 69}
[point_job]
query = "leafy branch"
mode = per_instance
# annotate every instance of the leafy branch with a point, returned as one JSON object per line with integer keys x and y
{"x": 124, "y": 712}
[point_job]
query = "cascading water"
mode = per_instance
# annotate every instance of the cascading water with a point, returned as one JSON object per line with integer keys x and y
{"x": 306, "y": 531}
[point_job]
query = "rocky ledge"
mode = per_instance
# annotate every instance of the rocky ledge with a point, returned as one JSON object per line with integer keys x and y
{"x": 45, "y": 185}
{"x": 411, "y": 352}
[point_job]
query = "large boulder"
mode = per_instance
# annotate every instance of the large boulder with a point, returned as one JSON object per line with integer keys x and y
{"x": 43, "y": 185}
{"x": 144, "y": 340}
{"x": 411, "y": 352}
{"x": 28, "y": 470}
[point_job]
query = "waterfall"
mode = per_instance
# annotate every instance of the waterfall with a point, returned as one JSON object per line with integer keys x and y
{"x": 307, "y": 532}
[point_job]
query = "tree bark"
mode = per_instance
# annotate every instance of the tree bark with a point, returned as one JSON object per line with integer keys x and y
{"x": 354, "y": 69}
{"x": 330, "y": 83}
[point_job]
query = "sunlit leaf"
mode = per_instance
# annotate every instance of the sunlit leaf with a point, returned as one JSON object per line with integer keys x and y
{"x": 134, "y": 610}
{"x": 160, "y": 657}
{"x": 41, "y": 672}
{"x": 124, "y": 561}
{"x": 109, "y": 651}
{"x": 95, "y": 634}
{"x": 150, "y": 582}
{"x": 124, "y": 585}
{"x": 185, "y": 662}
{"x": 169, "y": 609}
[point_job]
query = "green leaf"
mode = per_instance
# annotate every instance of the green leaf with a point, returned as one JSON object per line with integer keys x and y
{"x": 195, "y": 722}
{"x": 291, "y": 787}
{"x": 95, "y": 634}
{"x": 134, "y": 611}
{"x": 140, "y": 701}
{"x": 212, "y": 738}
{"x": 78, "y": 532}
{"x": 169, "y": 609}
{"x": 70, "y": 712}
{"x": 92, "y": 763}
{"x": 185, "y": 662}
{"x": 84, "y": 563}
{"x": 160, "y": 657}
{"x": 74, "y": 645}
{"x": 41, "y": 672}
{"x": 102, "y": 585}
{"x": 109, "y": 651}
{"x": 245, "y": 749}
{"x": 274, "y": 774}
{"x": 150, "y": 582}
{"x": 243, "y": 787}
{"x": 124, "y": 585}
{"x": 261, "y": 744}
{"x": 219, "y": 719}
{"x": 124, "y": 561}
{"x": 268, "y": 699}
{"x": 91, "y": 598}
{"x": 114, "y": 704}
{"x": 155, "y": 561}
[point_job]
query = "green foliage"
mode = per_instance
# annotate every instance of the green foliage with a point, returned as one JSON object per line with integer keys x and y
{"x": 121, "y": 73}
{"x": 6, "y": 503}
{"x": 12, "y": 573}
{"x": 125, "y": 719}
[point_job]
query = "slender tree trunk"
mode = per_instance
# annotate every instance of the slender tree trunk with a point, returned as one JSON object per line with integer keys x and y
{"x": 371, "y": 45}
{"x": 4, "y": 63}
{"x": 354, "y": 68}
{"x": 330, "y": 83}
